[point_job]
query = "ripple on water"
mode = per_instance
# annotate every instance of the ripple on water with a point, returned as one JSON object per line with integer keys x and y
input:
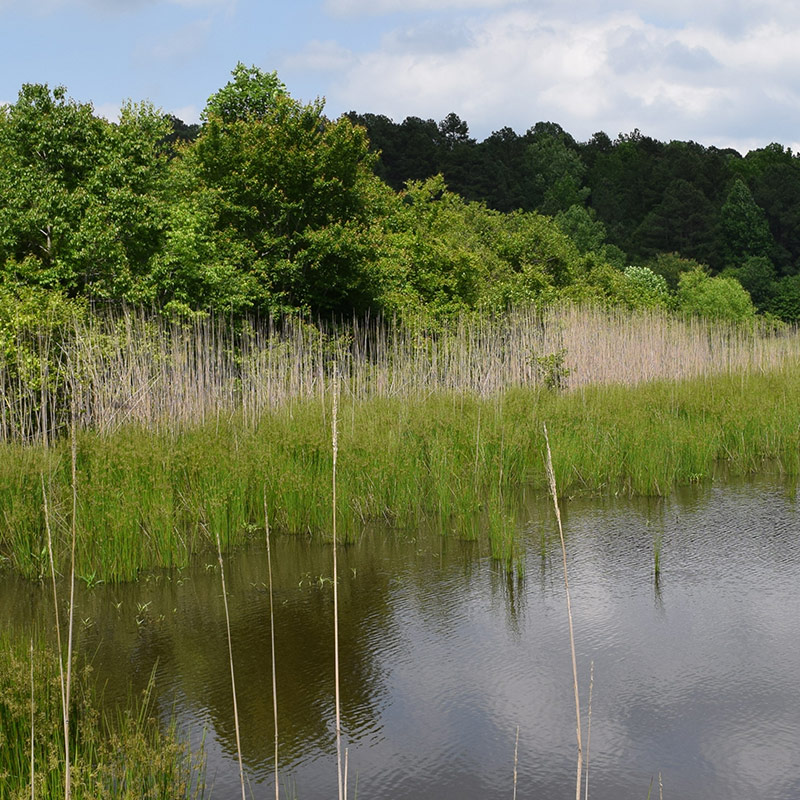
{"x": 443, "y": 656}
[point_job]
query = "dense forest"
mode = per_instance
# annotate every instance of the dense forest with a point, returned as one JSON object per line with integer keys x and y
{"x": 270, "y": 207}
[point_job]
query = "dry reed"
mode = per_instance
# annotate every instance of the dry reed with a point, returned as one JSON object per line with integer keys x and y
{"x": 135, "y": 368}
{"x": 272, "y": 645}
{"x": 230, "y": 661}
{"x": 554, "y": 492}
{"x": 335, "y": 445}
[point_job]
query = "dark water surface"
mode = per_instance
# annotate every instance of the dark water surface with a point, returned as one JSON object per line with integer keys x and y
{"x": 443, "y": 655}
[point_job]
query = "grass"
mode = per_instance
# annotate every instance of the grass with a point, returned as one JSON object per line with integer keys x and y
{"x": 128, "y": 756}
{"x": 149, "y": 498}
{"x": 181, "y": 428}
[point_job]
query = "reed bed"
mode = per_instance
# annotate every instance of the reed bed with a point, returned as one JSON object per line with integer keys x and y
{"x": 137, "y": 368}
{"x": 150, "y": 498}
{"x": 128, "y": 756}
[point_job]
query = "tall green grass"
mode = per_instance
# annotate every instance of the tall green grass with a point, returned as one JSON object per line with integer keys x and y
{"x": 129, "y": 756}
{"x": 149, "y": 498}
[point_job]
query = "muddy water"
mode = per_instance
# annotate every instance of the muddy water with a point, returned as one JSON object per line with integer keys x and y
{"x": 443, "y": 655}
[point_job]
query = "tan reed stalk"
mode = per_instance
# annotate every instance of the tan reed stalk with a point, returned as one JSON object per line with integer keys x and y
{"x": 335, "y": 444}
{"x": 554, "y": 492}
{"x": 230, "y": 661}
{"x": 660, "y": 787}
{"x": 477, "y": 450}
{"x": 516, "y": 753}
{"x": 33, "y": 770}
{"x": 272, "y": 644}
{"x": 74, "y": 527}
{"x": 140, "y": 369}
{"x": 346, "y": 754}
{"x": 589, "y": 727}
{"x": 55, "y": 604}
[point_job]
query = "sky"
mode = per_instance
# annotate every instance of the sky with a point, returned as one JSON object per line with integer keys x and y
{"x": 719, "y": 72}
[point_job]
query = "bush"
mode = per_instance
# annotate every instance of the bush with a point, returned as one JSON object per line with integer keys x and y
{"x": 714, "y": 298}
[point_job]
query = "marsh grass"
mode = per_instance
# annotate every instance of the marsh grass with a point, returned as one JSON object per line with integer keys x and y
{"x": 126, "y": 756}
{"x": 148, "y": 498}
{"x": 134, "y": 368}
{"x": 179, "y": 429}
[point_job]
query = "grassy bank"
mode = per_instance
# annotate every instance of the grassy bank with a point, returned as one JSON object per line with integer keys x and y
{"x": 128, "y": 756}
{"x": 150, "y": 497}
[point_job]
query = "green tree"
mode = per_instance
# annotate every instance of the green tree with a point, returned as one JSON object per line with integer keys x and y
{"x": 671, "y": 266}
{"x": 743, "y": 227}
{"x": 251, "y": 95}
{"x": 557, "y": 169}
{"x": 589, "y": 234}
{"x": 276, "y": 199}
{"x": 758, "y": 276}
{"x": 680, "y": 223}
{"x": 714, "y": 298}
{"x": 81, "y": 208}
{"x": 785, "y": 300}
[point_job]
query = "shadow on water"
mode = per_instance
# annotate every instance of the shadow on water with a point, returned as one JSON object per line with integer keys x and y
{"x": 444, "y": 652}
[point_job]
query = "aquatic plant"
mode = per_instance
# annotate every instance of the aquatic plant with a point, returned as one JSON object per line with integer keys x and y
{"x": 437, "y": 427}
{"x": 137, "y": 368}
{"x": 127, "y": 755}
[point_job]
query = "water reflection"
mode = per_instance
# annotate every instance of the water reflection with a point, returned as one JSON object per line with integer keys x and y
{"x": 444, "y": 653}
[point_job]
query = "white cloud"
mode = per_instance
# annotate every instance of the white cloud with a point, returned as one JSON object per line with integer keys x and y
{"x": 319, "y": 56}
{"x": 614, "y": 72}
{"x": 376, "y": 7}
{"x": 179, "y": 45}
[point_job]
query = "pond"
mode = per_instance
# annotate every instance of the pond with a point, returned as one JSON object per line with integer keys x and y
{"x": 443, "y": 654}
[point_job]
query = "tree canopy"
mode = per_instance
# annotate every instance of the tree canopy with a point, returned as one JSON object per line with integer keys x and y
{"x": 268, "y": 205}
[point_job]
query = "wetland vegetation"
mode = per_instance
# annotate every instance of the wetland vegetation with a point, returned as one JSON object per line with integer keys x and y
{"x": 183, "y": 435}
{"x": 439, "y": 333}
{"x": 183, "y": 432}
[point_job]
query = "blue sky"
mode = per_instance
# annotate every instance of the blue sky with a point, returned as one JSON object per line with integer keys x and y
{"x": 722, "y": 72}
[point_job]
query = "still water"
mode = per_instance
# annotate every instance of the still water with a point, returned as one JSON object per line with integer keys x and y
{"x": 443, "y": 655}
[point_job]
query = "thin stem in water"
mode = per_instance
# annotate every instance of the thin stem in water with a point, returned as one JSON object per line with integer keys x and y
{"x": 589, "y": 727}
{"x": 554, "y": 492}
{"x": 33, "y": 772}
{"x": 74, "y": 526}
{"x": 516, "y": 753}
{"x": 230, "y": 659}
{"x": 335, "y": 443}
{"x": 272, "y": 645}
{"x": 62, "y": 681}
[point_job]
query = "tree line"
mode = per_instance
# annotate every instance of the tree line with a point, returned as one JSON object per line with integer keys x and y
{"x": 739, "y": 216}
{"x": 268, "y": 206}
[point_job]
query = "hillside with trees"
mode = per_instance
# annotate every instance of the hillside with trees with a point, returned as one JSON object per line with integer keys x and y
{"x": 269, "y": 207}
